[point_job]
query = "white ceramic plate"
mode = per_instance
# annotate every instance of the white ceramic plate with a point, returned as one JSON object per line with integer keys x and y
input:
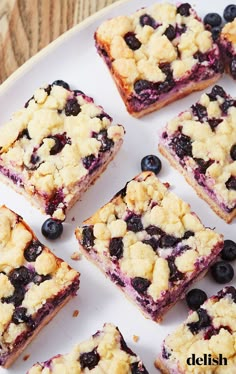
{"x": 73, "y": 58}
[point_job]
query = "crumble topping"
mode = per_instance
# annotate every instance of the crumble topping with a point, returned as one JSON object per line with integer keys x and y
{"x": 147, "y": 232}
{"x": 207, "y": 133}
{"x": 49, "y": 146}
{"x": 209, "y": 330}
{"x": 229, "y": 32}
{"x": 106, "y": 351}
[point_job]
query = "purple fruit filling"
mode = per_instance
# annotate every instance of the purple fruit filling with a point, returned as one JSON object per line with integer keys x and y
{"x": 16, "y": 179}
{"x": 53, "y": 203}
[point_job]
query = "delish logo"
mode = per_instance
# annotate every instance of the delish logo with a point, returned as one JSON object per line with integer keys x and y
{"x": 206, "y": 360}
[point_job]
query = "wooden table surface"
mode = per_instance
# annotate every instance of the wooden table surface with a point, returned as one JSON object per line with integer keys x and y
{"x": 26, "y": 26}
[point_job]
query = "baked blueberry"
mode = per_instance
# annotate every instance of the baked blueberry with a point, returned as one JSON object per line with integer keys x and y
{"x": 231, "y": 183}
{"x": 227, "y": 104}
{"x": 203, "y": 321}
{"x": 89, "y": 359}
{"x": 199, "y": 111}
{"x": 228, "y": 252}
{"x": 170, "y": 32}
{"x": 116, "y": 247}
{"x": 140, "y": 284}
{"x": 232, "y": 67}
{"x": 20, "y": 315}
{"x": 52, "y": 229}
{"x": 72, "y": 107}
{"x": 184, "y": 9}
{"x": 151, "y": 163}
{"x": 187, "y": 234}
{"x": 147, "y": 20}
{"x": 20, "y": 276}
{"x": 222, "y": 272}
{"x": 212, "y": 19}
{"x": 138, "y": 368}
{"x": 233, "y": 152}
{"x": 168, "y": 241}
{"x": 142, "y": 85}
{"x": 215, "y": 32}
{"x": 132, "y": 41}
{"x": 182, "y": 145}
{"x": 134, "y": 223}
{"x": 16, "y": 298}
{"x": 88, "y": 237}
{"x": 33, "y": 251}
{"x": 175, "y": 274}
{"x": 195, "y": 298}
{"x": 230, "y": 12}
{"x": 60, "y": 82}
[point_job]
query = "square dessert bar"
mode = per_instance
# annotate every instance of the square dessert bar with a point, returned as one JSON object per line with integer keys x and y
{"x": 34, "y": 285}
{"x": 207, "y": 334}
{"x": 150, "y": 244}
{"x": 201, "y": 144}
{"x": 227, "y": 44}
{"x": 54, "y": 148}
{"x": 158, "y": 55}
{"x": 105, "y": 352}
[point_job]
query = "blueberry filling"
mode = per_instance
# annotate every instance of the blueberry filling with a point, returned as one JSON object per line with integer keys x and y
{"x": 116, "y": 247}
{"x": 231, "y": 183}
{"x": 53, "y": 203}
{"x": 134, "y": 223}
{"x": 89, "y": 359}
{"x": 165, "y": 354}
{"x": 88, "y": 161}
{"x": 153, "y": 242}
{"x": 142, "y": 85}
{"x": 170, "y": 32}
{"x": 20, "y": 276}
{"x": 88, "y": 237}
{"x": 202, "y": 165}
{"x": 214, "y": 122}
{"x": 217, "y": 91}
{"x": 147, "y": 20}
{"x": 203, "y": 321}
{"x": 106, "y": 143}
{"x": 232, "y": 67}
{"x": 140, "y": 284}
{"x": 199, "y": 111}
{"x": 184, "y": 9}
{"x": 60, "y": 141}
{"x": 60, "y": 82}
{"x": 16, "y": 298}
{"x": 168, "y": 241}
{"x": 20, "y": 316}
{"x": 154, "y": 230}
{"x": 72, "y": 107}
{"x": 116, "y": 279}
{"x": 227, "y": 104}
{"x": 182, "y": 145}
{"x": 33, "y": 251}
{"x": 132, "y": 41}
{"x": 175, "y": 274}
{"x": 40, "y": 278}
{"x": 138, "y": 368}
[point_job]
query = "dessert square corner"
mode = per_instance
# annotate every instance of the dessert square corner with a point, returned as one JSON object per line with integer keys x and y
{"x": 34, "y": 285}
{"x": 201, "y": 144}
{"x": 54, "y": 148}
{"x": 158, "y": 55}
{"x": 207, "y": 335}
{"x": 105, "y": 352}
{"x": 147, "y": 241}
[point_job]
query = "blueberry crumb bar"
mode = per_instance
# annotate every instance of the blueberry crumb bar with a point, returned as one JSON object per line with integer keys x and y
{"x": 56, "y": 146}
{"x": 34, "y": 285}
{"x": 150, "y": 244}
{"x": 210, "y": 331}
{"x": 227, "y": 44}
{"x": 105, "y": 352}
{"x": 158, "y": 55}
{"x": 201, "y": 144}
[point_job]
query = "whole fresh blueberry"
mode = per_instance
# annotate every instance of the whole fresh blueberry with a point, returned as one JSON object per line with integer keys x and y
{"x": 228, "y": 252}
{"x": 231, "y": 183}
{"x": 89, "y": 359}
{"x": 60, "y": 82}
{"x": 170, "y": 32}
{"x": 140, "y": 284}
{"x": 212, "y": 19}
{"x": 222, "y": 272}
{"x": 33, "y": 251}
{"x": 215, "y": 32}
{"x": 72, "y": 107}
{"x": 151, "y": 163}
{"x": 52, "y": 229}
{"x": 232, "y": 67}
{"x": 233, "y": 152}
{"x": 142, "y": 85}
{"x": 132, "y": 41}
{"x": 20, "y": 276}
{"x": 195, "y": 298}
{"x": 20, "y": 315}
{"x": 184, "y": 9}
{"x": 138, "y": 368}
{"x": 147, "y": 20}
{"x": 116, "y": 247}
{"x": 230, "y": 12}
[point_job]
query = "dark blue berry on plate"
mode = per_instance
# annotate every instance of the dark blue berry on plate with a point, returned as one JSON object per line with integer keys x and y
{"x": 195, "y": 298}
{"x": 89, "y": 359}
{"x": 233, "y": 152}
{"x": 230, "y": 12}
{"x": 151, "y": 163}
{"x": 215, "y": 32}
{"x": 184, "y": 9}
{"x": 231, "y": 183}
{"x": 138, "y": 368}
{"x": 60, "y": 82}
{"x": 134, "y": 223}
{"x": 182, "y": 145}
{"x": 147, "y": 20}
{"x": 228, "y": 252}
{"x": 232, "y": 67}
{"x": 52, "y": 229}
{"x": 72, "y": 107}
{"x": 142, "y": 85}
{"x": 132, "y": 41}
{"x": 116, "y": 247}
{"x": 203, "y": 321}
{"x": 88, "y": 237}
{"x": 20, "y": 276}
{"x": 222, "y": 272}
{"x": 170, "y": 32}
{"x": 212, "y": 19}
{"x": 20, "y": 315}
{"x": 140, "y": 284}
{"x": 33, "y": 251}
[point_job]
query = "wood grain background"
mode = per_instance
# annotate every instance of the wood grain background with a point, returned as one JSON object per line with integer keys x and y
{"x": 26, "y": 26}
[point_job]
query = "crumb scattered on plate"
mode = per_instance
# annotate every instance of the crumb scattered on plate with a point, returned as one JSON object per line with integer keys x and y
{"x": 76, "y": 256}
{"x": 75, "y": 313}
{"x": 135, "y": 338}
{"x": 25, "y": 358}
